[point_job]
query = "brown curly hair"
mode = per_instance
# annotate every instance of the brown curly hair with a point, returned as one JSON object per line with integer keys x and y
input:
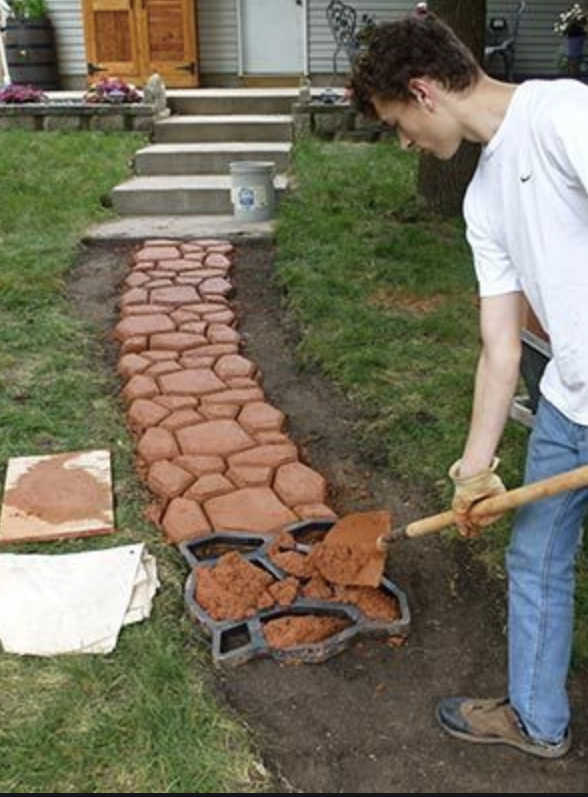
{"x": 414, "y": 46}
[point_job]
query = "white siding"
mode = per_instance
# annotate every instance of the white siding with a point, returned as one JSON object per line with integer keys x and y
{"x": 218, "y": 36}
{"x": 537, "y": 48}
{"x": 321, "y": 47}
{"x": 66, "y": 16}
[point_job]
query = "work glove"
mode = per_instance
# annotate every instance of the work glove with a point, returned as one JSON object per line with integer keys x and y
{"x": 468, "y": 490}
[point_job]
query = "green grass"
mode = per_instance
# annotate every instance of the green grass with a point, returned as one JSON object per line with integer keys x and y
{"x": 143, "y": 718}
{"x": 385, "y": 300}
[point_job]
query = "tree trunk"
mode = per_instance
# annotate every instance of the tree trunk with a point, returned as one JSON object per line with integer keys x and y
{"x": 441, "y": 185}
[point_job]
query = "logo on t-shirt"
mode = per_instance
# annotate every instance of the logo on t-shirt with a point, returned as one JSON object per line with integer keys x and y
{"x": 524, "y": 178}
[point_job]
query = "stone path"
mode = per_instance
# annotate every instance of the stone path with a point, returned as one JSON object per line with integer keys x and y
{"x": 212, "y": 449}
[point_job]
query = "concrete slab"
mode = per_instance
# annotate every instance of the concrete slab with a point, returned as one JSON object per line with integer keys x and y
{"x": 135, "y": 229}
{"x": 52, "y": 497}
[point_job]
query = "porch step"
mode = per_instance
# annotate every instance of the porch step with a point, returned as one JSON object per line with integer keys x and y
{"x": 180, "y": 195}
{"x": 224, "y": 128}
{"x": 208, "y": 158}
{"x": 232, "y": 101}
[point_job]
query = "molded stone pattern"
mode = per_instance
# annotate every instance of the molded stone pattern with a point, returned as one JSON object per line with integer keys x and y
{"x": 214, "y": 452}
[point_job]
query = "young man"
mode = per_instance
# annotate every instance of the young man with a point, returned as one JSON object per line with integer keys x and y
{"x": 527, "y": 223}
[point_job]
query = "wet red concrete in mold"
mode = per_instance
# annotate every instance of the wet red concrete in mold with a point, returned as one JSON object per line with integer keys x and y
{"x": 286, "y": 632}
{"x": 235, "y": 589}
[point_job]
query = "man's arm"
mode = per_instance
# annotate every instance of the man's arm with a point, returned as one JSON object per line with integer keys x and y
{"x": 496, "y": 379}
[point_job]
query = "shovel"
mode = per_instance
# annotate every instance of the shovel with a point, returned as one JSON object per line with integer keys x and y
{"x": 497, "y": 504}
{"x": 367, "y": 552}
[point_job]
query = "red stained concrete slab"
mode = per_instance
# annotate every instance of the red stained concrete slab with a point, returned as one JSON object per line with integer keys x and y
{"x": 249, "y": 509}
{"x": 131, "y": 364}
{"x": 233, "y": 365}
{"x": 234, "y": 396}
{"x": 157, "y": 444}
{"x": 168, "y": 480}
{"x": 134, "y": 296}
{"x": 144, "y": 413}
{"x": 183, "y": 520}
{"x": 201, "y": 465}
{"x": 216, "y": 411}
{"x": 137, "y": 345}
{"x": 181, "y": 418}
{"x": 222, "y": 438}
{"x": 174, "y": 403}
{"x": 143, "y": 325}
{"x": 315, "y": 512}
{"x": 217, "y": 260}
{"x": 158, "y": 252}
{"x": 176, "y": 295}
{"x": 258, "y": 416}
{"x": 191, "y": 382}
{"x": 140, "y": 386}
{"x": 162, "y": 368}
{"x": 269, "y": 455}
{"x": 296, "y": 483}
{"x": 180, "y": 341}
{"x": 251, "y": 476}
{"x": 209, "y": 486}
{"x": 222, "y": 333}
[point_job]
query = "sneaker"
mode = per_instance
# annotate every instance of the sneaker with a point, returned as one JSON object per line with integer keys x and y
{"x": 494, "y": 722}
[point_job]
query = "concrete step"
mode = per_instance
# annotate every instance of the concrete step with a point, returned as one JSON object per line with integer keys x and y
{"x": 209, "y": 158}
{"x": 200, "y": 129}
{"x": 232, "y": 101}
{"x": 199, "y": 195}
{"x": 137, "y": 229}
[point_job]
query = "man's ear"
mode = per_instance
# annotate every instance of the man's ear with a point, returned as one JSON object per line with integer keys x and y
{"x": 422, "y": 93}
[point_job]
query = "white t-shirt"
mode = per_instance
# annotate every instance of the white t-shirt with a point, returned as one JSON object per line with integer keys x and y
{"x": 527, "y": 217}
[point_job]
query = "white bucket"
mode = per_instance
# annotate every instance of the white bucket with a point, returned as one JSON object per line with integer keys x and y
{"x": 252, "y": 190}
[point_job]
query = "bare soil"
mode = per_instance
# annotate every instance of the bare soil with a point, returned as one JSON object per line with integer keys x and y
{"x": 363, "y": 722}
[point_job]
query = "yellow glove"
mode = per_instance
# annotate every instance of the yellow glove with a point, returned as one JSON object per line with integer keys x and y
{"x": 468, "y": 490}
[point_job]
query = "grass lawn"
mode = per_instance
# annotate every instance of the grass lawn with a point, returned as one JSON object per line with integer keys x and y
{"x": 142, "y": 719}
{"x": 386, "y": 302}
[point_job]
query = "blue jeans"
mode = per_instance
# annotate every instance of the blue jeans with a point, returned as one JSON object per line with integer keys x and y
{"x": 540, "y": 563}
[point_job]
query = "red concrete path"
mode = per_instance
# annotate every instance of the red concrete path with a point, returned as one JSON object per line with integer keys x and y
{"x": 214, "y": 452}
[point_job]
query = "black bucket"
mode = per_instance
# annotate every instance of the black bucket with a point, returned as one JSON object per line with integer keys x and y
{"x": 31, "y": 53}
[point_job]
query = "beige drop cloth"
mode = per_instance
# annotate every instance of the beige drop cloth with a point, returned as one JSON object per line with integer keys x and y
{"x": 73, "y": 603}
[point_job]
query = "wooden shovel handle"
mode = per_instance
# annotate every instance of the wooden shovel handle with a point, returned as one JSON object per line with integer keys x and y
{"x": 504, "y": 502}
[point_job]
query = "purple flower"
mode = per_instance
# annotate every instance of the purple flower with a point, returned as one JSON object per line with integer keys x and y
{"x": 17, "y": 93}
{"x": 112, "y": 90}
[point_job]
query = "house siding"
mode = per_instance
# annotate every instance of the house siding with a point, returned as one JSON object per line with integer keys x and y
{"x": 67, "y": 19}
{"x": 218, "y": 35}
{"x": 537, "y": 47}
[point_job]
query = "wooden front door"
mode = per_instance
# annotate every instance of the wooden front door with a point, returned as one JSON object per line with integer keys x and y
{"x": 132, "y": 39}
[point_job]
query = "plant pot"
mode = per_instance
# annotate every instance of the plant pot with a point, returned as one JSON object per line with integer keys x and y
{"x": 31, "y": 53}
{"x": 574, "y": 46}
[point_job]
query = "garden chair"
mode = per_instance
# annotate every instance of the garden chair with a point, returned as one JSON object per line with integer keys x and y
{"x": 342, "y": 20}
{"x": 501, "y": 40}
